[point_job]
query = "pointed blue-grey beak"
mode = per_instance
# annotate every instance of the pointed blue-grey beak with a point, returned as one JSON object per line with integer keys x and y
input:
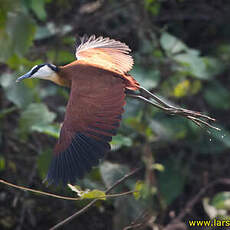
{"x": 27, "y": 75}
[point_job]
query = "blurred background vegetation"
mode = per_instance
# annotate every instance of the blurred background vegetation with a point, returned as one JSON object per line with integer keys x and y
{"x": 182, "y": 52}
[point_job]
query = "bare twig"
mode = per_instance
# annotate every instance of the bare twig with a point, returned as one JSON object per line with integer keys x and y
{"x": 122, "y": 180}
{"x": 64, "y": 197}
{"x": 78, "y": 213}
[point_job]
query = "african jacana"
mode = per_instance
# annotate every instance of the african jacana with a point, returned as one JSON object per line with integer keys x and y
{"x": 99, "y": 82}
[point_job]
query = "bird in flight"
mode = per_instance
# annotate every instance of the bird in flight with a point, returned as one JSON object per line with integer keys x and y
{"x": 99, "y": 83}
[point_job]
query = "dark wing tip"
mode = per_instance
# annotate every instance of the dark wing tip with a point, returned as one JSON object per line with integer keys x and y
{"x": 82, "y": 154}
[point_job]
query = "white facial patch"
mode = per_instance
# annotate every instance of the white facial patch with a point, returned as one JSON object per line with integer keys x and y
{"x": 45, "y": 72}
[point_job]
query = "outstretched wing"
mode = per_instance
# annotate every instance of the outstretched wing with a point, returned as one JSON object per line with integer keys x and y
{"x": 92, "y": 117}
{"x": 105, "y": 53}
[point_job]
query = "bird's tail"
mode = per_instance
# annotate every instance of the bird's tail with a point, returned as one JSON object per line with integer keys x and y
{"x": 146, "y": 96}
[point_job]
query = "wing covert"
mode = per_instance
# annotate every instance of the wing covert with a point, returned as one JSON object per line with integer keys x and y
{"x": 106, "y": 53}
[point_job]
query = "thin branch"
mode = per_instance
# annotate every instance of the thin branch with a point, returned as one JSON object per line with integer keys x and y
{"x": 78, "y": 213}
{"x": 64, "y": 197}
{"x": 122, "y": 180}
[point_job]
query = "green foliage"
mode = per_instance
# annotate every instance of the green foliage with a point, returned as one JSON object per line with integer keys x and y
{"x": 35, "y": 117}
{"x": 38, "y": 8}
{"x": 171, "y": 44}
{"x": 172, "y": 64}
{"x": 51, "y": 130}
{"x": 138, "y": 187}
{"x": 221, "y": 200}
{"x": 158, "y": 167}
{"x": 18, "y": 94}
{"x": 189, "y": 61}
{"x": 10, "y": 42}
{"x": 143, "y": 191}
{"x": 218, "y": 207}
{"x": 120, "y": 141}
{"x": 87, "y": 194}
{"x": 94, "y": 194}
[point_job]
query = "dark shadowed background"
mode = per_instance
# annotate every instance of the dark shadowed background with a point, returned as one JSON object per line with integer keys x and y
{"x": 181, "y": 50}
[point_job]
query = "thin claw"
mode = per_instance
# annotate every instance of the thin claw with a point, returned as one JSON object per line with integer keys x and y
{"x": 195, "y": 114}
{"x": 147, "y": 101}
{"x": 204, "y": 122}
{"x": 156, "y": 98}
{"x": 173, "y": 109}
{"x": 197, "y": 123}
{"x": 191, "y": 115}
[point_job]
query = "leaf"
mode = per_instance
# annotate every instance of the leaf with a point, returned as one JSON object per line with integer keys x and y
{"x": 195, "y": 87}
{"x": 5, "y": 46}
{"x": 120, "y": 141}
{"x": 51, "y": 29}
{"x": 18, "y": 94}
{"x": 51, "y": 130}
{"x": 6, "y": 6}
{"x": 194, "y": 65}
{"x": 38, "y": 8}
{"x": 172, "y": 44}
{"x": 158, "y": 167}
{"x": 94, "y": 194}
{"x": 20, "y": 24}
{"x": 213, "y": 66}
{"x": 144, "y": 191}
{"x": 182, "y": 89}
{"x": 36, "y": 115}
{"x": 88, "y": 194}
{"x": 214, "y": 212}
{"x": 43, "y": 32}
{"x": 138, "y": 188}
{"x": 221, "y": 200}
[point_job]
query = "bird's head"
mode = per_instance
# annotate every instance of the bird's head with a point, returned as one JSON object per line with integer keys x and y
{"x": 43, "y": 71}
